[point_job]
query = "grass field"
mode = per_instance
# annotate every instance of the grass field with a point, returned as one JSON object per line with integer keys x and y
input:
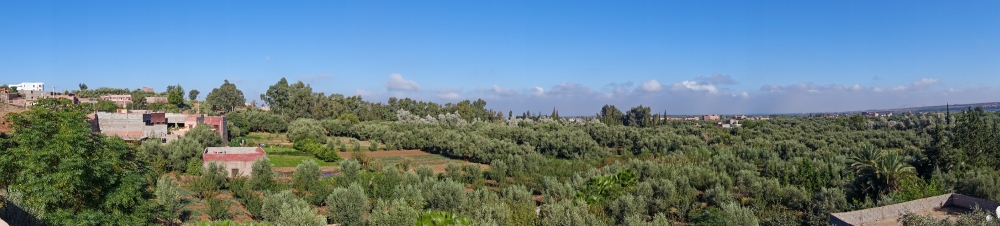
{"x": 292, "y": 160}
{"x": 283, "y": 151}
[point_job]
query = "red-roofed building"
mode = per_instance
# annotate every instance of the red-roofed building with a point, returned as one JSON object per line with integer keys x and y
{"x": 237, "y": 161}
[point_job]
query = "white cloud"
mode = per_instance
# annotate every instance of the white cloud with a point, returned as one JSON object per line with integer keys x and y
{"x": 925, "y": 82}
{"x": 497, "y": 90}
{"x": 651, "y": 86}
{"x": 397, "y": 83}
{"x": 619, "y": 89}
{"x": 694, "y": 86}
{"x": 536, "y": 91}
{"x": 450, "y": 94}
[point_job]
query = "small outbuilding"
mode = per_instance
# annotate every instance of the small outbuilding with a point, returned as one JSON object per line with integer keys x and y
{"x": 238, "y": 161}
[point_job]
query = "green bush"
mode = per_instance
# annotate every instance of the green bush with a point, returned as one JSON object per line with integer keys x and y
{"x": 218, "y": 209}
{"x": 283, "y": 208}
{"x": 309, "y": 145}
{"x": 213, "y": 177}
{"x": 442, "y": 218}
{"x": 350, "y": 203}
{"x": 305, "y": 128}
{"x": 261, "y": 175}
{"x": 306, "y": 182}
{"x": 396, "y": 212}
{"x": 168, "y": 196}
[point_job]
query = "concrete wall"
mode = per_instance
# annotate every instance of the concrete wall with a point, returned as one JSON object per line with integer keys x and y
{"x": 897, "y": 210}
{"x": 244, "y": 167}
{"x": 970, "y": 202}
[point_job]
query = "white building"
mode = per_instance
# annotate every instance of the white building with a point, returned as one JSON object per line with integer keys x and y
{"x": 32, "y": 86}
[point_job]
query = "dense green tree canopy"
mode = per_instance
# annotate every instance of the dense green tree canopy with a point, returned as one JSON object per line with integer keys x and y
{"x": 64, "y": 174}
{"x": 225, "y": 98}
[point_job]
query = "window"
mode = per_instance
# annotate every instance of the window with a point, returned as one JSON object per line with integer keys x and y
{"x": 236, "y": 172}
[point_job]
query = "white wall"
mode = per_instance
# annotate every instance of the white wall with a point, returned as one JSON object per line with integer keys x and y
{"x": 35, "y": 86}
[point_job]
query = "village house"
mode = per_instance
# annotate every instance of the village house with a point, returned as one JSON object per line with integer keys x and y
{"x": 238, "y": 161}
{"x": 134, "y": 125}
{"x": 150, "y": 100}
{"x": 710, "y": 117}
{"x": 120, "y": 100}
{"x": 30, "y": 86}
{"x": 130, "y": 126}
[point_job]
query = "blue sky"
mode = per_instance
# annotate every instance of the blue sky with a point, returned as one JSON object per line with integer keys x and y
{"x": 691, "y": 57}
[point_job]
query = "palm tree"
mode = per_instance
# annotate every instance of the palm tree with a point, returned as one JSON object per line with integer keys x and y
{"x": 880, "y": 170}
{"x": 893, "y": 170}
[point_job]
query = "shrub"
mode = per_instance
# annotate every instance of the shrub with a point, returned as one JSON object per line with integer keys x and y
{"x": 183, "y": 151}
{"x": 261, "y": 175}
{"x": 357, "y": 144}
{"x": 396, "y": 212}
{"x": 213, "y": 177}
{"x": 350, "y": 169}
{"x": 308, "y": 145}
{"x": 338, "y": 127}
{"x": 497, "y": 171}
{"x": 349, "y": 204}
{"x": 446, "y": 195}
{"x": 453, "y": 171}
{"x": 283, "y": 208}
{"x": 739, "y": 215}
{"x": 194, "y": 167}
{"x": 567, "y": 213}
{"x": 218, "y": 209}
{"x": 473, "y": 175}
{"x": 328, "y": 155}
{"x": 306, "y": 182}
{"x": 205, "y": 136}
{"x": 168, "y": 195}
{"x": 442, "y": 218}
{"x": 425, "y": 172}
{"x": 305, "y": 128}
{"x": 272, "y": 204}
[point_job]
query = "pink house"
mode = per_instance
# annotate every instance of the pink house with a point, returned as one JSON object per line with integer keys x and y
{"x": 238, "y": 161}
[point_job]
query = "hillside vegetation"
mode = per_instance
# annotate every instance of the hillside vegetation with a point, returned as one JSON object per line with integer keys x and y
{"x": 617, "y": 168}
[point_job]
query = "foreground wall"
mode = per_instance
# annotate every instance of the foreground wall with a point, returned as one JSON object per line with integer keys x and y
{"x": 898, "y": 210}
